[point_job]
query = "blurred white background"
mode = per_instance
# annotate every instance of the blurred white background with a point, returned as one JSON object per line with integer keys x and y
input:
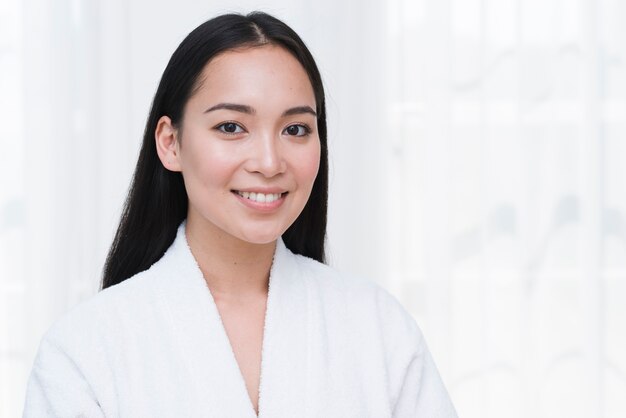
{"x": 478, "y": 171}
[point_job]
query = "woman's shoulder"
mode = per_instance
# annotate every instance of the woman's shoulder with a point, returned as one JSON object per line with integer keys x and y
{"x": 96, "y": 314}
{"x": 365, "y": 319}
{"x": 330, "y": 279}
{"x": 372, "y": 301}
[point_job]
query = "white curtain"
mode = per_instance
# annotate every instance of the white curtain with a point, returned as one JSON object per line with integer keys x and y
{"x": 476, "y": 172}
{"x": 506, "y": 206}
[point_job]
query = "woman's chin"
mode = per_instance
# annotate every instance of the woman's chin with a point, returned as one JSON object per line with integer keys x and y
{"x": 261, "y": 238}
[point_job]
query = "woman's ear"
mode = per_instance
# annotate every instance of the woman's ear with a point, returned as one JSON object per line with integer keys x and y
{"x": 166, "y": 137}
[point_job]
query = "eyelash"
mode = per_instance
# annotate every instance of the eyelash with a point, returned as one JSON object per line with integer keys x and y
{"x": 221, "y": 125}
{"x": 307, "y": 129}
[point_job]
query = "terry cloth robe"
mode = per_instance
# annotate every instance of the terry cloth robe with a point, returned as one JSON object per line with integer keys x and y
{"x": 155, "y": 346}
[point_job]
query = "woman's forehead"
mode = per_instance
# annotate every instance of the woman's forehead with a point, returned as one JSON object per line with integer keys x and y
{"x": 261, "y": 75}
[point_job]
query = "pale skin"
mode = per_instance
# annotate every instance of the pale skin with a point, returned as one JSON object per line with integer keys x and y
{"x": 267, "y": 143}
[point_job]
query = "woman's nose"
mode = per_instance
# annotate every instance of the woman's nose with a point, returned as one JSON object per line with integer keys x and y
{"x": 267, "y": 157}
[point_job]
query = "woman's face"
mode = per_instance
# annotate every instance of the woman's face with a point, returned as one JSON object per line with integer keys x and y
{"x": 250, "y": 150}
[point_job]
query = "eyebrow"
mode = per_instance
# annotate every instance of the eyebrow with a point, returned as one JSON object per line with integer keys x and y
{"x": 232, "y": 106}
{"x": 298, "y": 110}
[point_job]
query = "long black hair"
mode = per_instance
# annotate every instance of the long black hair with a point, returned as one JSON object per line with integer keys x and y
{"x": 157, "y": 200}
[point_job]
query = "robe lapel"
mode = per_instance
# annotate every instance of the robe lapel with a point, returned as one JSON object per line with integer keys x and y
{"x": 206, "y": 353}
{"x": 285, "y": 345}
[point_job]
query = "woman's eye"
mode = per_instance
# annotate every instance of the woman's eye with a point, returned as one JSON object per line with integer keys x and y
{"x": 230, "y": 128}
{"x": 297, "y": 130}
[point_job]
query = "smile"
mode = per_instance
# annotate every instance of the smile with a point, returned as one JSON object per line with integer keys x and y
{"x": 260, "y": 197}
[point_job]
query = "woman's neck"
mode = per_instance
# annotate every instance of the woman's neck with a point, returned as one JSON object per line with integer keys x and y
{"x": 235, "y": 270}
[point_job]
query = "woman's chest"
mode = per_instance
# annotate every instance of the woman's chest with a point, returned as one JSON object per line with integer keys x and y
{"x": 300, "y": 357}
{"x": 244, "y": 327}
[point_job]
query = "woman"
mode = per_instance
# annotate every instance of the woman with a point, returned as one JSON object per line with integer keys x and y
{"x": 215, "y": 299}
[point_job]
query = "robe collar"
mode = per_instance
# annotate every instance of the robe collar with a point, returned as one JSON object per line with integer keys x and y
{"x": 206, "y": 350}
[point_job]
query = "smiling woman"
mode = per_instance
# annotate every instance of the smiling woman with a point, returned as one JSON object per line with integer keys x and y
{"x": 215, "y": 300}
{"x": 250, "y": 159}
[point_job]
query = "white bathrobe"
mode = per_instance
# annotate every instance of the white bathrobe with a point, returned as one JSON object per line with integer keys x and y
{"x": 154, "y": 346}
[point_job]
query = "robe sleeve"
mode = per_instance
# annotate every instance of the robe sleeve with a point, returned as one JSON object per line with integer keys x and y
{"x": 423, "y": 393}
{"x": 417, "y": 390}
{"x": 57, "y": 387}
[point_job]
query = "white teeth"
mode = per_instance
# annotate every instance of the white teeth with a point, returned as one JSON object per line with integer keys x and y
{"x": 260, "y": 197}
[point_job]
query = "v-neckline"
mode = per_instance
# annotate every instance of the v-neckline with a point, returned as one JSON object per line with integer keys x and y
{"x": 225, "y": 337}
{"x": 206, "y": 352}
